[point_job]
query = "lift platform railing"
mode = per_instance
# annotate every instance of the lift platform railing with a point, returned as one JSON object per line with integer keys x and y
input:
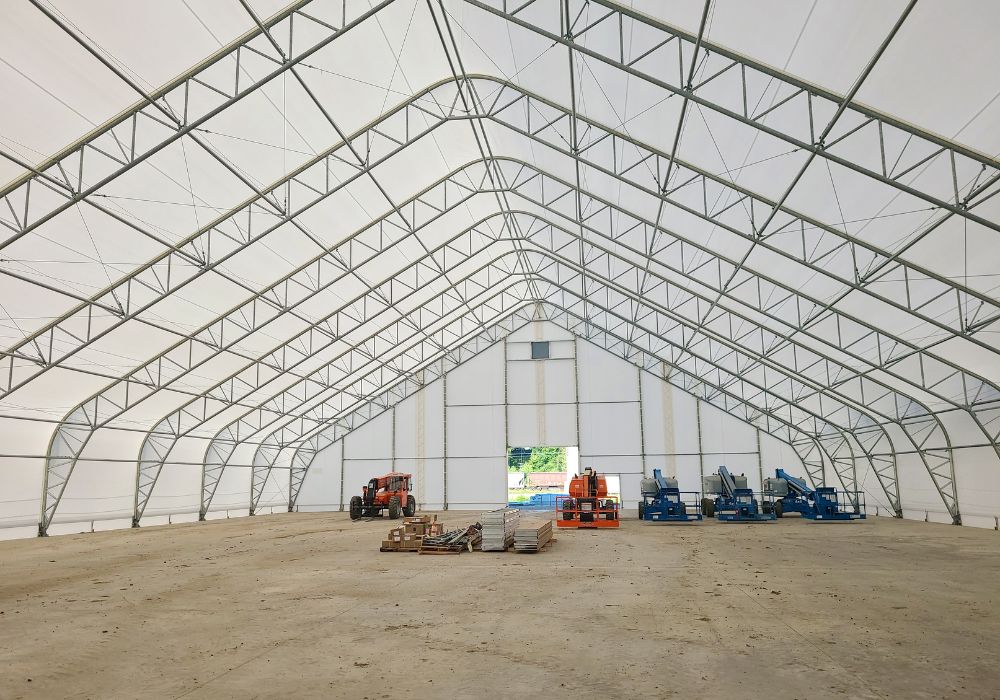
{"x": 832, "y": 504}
{"x": 587, "y": 512}
{"x": 690, "y": 499}
{"x": 739, "y": 506}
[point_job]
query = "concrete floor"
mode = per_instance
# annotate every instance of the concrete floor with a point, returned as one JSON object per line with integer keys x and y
{"x": 304, "y": 605}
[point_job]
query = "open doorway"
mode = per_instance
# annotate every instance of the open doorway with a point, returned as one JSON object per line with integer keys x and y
{"x": 536, "y": 475}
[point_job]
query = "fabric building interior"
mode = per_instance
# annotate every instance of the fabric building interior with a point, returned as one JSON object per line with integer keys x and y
{"x": 254, "y": 253}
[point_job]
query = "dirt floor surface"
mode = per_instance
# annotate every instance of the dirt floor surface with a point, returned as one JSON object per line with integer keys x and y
{"x": 304, "y": 605}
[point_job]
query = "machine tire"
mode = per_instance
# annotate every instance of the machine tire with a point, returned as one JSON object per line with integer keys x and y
{"x": 642, "y": 509}
{"x": 395, "y": 509}
{"x": 779, "y": 510}
{"x": 356, "y": 507}
{"x": 570, "y": 505}
{"x": 411, "y": 507}
{"x": 708, "y": 507}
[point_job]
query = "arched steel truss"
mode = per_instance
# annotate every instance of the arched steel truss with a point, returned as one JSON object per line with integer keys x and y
{"x": 701, "y": 307}
{"x": 815, "y": 452}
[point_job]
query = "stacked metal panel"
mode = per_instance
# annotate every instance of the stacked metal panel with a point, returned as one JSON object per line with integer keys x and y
{"x": 498, "y": 529}
{"x": 532, "y": 534}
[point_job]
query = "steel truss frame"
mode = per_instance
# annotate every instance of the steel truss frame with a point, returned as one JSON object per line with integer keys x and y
{"x": 897, "y": 357}
{"x": 178, "y": 109}
{"x": 810, "y": 449}
{"x": 773, "y": 402}
{"x": 227, "y": 439}
{"x": 557, "y": 190}
{"x": 159, "y": 442}
{"x": 899, "y": 148}
{"x": 920, "y": 293}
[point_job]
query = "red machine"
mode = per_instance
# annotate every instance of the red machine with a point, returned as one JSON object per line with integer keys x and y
{"x": 390, "y": 492}
{"x": 588, "y": 503}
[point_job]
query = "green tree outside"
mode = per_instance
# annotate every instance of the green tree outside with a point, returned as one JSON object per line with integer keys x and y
{"x": 536, "y": 459}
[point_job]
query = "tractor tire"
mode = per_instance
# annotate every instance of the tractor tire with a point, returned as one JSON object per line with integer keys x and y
{"x": 642, "y": 509}
{"x": 708, "y": 507}
{"x": 779, "y": 510}
{"x": 395, "y": 509}
{"x": 411, "y": 507}
{"x": 355, "y": 507}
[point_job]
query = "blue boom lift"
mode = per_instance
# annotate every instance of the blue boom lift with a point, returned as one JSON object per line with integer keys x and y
{"x": 794, "y": 495}
{"x": 734, "y": 502}
{"x": 662, "y": 501}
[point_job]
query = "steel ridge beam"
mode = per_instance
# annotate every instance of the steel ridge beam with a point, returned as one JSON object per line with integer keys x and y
{"x": 739, "y": 111}
{"x": 966, "y": 380}
{"x": 307, "y": 449}
{"x": 481, "y": 136}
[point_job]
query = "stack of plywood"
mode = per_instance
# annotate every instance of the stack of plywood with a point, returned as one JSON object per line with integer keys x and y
{"x": 532, "y": 534}
{"x": 498, "y": 529}
{"x": 410, "y": 535}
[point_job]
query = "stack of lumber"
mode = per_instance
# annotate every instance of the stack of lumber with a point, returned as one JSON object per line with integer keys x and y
{"x": 454, "y": 542}
{"x": 410, "y": 535}
{"x": 498, "y": 529}
{"x": 532, "y": 534}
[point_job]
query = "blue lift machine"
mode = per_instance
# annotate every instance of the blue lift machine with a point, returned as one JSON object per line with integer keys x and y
{"x": 733, "y": 501}
{"x": 793, "y": 495}
{"x": 663, "y": 502}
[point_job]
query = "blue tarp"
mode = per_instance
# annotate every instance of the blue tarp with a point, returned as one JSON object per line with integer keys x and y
{"x": 538, "y": 501}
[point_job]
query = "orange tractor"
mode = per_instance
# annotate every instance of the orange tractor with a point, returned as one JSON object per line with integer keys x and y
{"x": 390, "y": 492}
{"x": 588, "y": 503}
